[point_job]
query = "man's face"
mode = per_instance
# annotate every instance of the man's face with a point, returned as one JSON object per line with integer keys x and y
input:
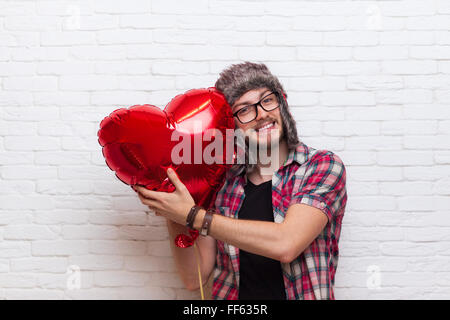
{"x": 267, "y": 127}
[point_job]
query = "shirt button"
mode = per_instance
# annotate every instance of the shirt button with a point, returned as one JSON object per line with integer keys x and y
{"x": 322, "y": 204}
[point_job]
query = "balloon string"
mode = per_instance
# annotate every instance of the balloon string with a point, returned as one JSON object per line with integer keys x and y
{"x": 197, "y": 257}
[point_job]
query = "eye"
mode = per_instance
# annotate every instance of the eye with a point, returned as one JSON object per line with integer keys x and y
{"x": 244, "y": 110}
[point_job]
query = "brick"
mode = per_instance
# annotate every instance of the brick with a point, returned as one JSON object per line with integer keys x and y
{"x": 143, "y": 233}
{"x": 159, "y": 248}
{"x": 180, "y": 36}
{"x": 30, "y": 143}
{"x": 438, "y": 22}
{"x": 124, "y": 36}
{"x": 103, "y": 53}
{"x": 379, "y": 143}
{"x": 29, "y": 54}
{"x": 429, "y": 52}
{"x": 323, "y": 53}
{"x": 63, "y": 8}
{"x": 145, "y": 82}
{"x": 58, "y": 216}
{"x": 424, "y": 173}
{"x": 381, "y": 53}
{"x": 376, "y": 233}
{"x": 351, "y": 128}
{"x": 67, "y": 38}
{"x": 57, "y": 187}
{"x": 15, "y": 249}
{"x": 426, "y": 111}
{"x": 118, "y": 97}
{"x": 375, "y": 173}
{"x": 267, "y": 53}
{"x": 39, "y": 264}
{"x": 320, "y": 23}
{"x": 120, "y": 278}
{"x": 427, "y": 142}
{"x": 351, "y": 68}
{"x": 407, "y": 37}
{"x": 90, "y": 232}
{"x": 150, "y": 264}
{"x": 64, "y": 68}
{"x": 178, "y": 68}
{"x": 18, "y": 202}
{"x": 404, "y": 96}
{"x": 118, "y": 219}
{"x": 176, "y": 7}
{"x": 316, "y": 84}
{"x": 15, "y": 158}
{"x": 407, "y": 249}
{"x": 406, "y": 188}
{"x": 88, "y": 82}
{"x": 81, "y": 202}
{"x": 16, "y": 128}
{"x": 142, "y": 21}
{"x": 294, "y": 38}
{"x": 61, "y": 158}
{"x": 437, "y": 81}
{"x": 350, "y": 38}
{"x": 97, "y": 262}
{"x": 409, "y": 67}
{"x": 27, "y": 172}
{"x": 94, "y": 23}
{"x": 30, "y": 232}
{"x": 17, "y": 187}
{"x": 59, "y": 247}
{"x": 36, "y": 83}
{"x": 348, "y": 98}
{"x": 130, "y": 67}
{"x": 407, "y": 8}
{"x": 372, "y": 203}
{"x": 14, "y": 280}
{"x": 120, "y": 247}
{"x": 317, "y": 113}
{"x": 17, "y": 69}
{"x": 119, "y": 7}
{"x": 298, "y": 69}
{"x": 409, "y": 127}
{"x": 31, "y": 23}
{"x": 423, "y": 203}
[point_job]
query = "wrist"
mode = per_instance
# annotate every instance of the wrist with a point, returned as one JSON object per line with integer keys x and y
{"x": 199, "y": 219}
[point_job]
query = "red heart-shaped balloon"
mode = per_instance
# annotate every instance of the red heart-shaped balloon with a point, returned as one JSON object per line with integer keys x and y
{"x": 138, "y": 143}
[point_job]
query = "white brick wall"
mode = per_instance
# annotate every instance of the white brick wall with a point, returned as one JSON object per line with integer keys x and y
{"x": 369, "y": 80}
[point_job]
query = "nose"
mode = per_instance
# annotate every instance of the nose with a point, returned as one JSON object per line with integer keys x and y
{"x": 262, "y": 114}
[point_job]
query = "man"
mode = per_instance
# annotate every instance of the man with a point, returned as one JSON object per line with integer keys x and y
{"x": 276, "y": 229}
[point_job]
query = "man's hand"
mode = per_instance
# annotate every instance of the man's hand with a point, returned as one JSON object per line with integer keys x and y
{"x": 174, "y": 206}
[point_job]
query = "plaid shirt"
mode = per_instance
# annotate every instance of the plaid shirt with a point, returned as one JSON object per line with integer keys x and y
{"x": 309, "y": 176}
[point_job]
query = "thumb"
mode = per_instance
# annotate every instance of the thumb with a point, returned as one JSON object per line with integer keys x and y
{"x": 173, "y": 177}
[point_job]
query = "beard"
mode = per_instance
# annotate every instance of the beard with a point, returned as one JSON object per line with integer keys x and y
{"x": 262, "y": 147}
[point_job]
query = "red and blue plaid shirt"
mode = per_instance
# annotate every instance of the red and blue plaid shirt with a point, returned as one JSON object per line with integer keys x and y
{"x": 309, "y": 176}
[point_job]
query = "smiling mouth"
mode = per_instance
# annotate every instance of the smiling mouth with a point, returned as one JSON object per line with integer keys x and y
{"x": 266, "y": 127}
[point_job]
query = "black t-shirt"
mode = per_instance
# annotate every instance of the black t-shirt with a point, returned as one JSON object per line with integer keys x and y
{"x": 260, "y": 277}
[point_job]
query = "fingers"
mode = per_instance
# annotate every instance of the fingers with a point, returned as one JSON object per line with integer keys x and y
{"x": 173, "y": 177}
{"x": 148, "y": 194}
{"x": 147, "y": 201}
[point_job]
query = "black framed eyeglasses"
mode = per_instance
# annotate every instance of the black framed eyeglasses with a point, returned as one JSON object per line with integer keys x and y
{"x": 250, "y": 112}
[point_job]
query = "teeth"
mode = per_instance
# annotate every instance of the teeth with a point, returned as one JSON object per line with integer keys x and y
{"x": 266, "y": 126}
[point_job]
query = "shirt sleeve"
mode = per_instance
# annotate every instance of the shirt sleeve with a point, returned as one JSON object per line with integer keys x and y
{"x": 323, "y": 185}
